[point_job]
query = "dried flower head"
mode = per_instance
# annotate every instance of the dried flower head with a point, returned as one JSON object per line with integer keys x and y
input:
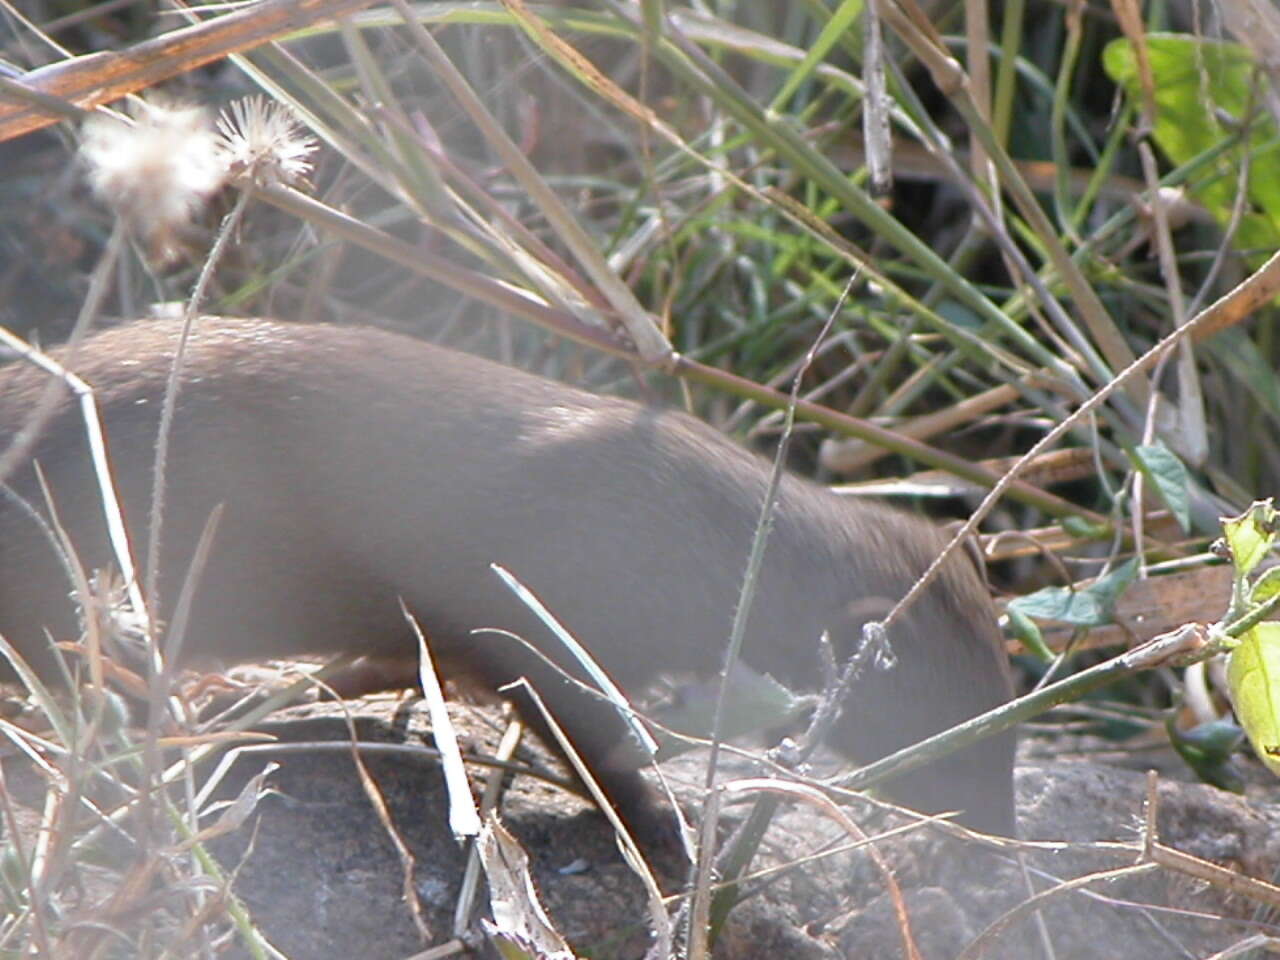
{"x": 264, "y": 143}
{"x": 155, "y": 171}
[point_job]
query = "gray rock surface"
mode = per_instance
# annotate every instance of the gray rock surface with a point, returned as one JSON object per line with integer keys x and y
{"x": 322, "y": 879}
{"x": 320, "y": 853}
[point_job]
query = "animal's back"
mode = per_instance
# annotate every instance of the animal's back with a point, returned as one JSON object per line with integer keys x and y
{"x": 357, "y": 467}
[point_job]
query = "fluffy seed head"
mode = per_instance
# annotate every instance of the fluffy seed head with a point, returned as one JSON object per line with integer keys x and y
{"x": 263, "y": 142}
{"x": 156, "y": 170}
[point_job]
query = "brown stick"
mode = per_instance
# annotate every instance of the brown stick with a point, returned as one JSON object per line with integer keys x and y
{"x": 97, "y": 78}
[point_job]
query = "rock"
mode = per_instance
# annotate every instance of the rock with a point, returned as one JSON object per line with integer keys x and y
{"x": 323, "y": 880}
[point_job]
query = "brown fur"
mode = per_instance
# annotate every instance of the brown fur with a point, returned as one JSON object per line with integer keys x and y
{"x": 358, "y": 467}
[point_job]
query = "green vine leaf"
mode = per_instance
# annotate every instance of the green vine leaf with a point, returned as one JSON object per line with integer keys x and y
{"x": 1266, "y": 586}
{"x": 1253, "y": 676}
{"x": 1091, "y": 606}
{"x": 1162, "y": 467}
{"x": 1250, "y": 536}
{"x": 1202, "y": 89}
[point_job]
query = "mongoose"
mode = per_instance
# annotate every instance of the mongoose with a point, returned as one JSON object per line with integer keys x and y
{"x": 357, "y": 467}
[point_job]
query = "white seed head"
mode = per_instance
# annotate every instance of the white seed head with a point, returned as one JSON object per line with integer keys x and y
{"x": 156, "y": 170}
{"x": 264, "y": 143}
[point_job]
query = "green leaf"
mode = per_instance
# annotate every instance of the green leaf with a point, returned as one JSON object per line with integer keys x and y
{"x": 842, "y": 20}
{"x": 1250, "y": 536}
{"x": 1207, "y": 749}
{"x": 1220, "y": 737}
{"x": 1082, "y": 529}
{"x": 1266, "y": 587}
{"x": 1162, "y": 467}
{"x": 1200, "y": 85}
{"x": 1062, "y": 603}
{"x": 1253, "y": 676}
{"x": 1091, "y": 606}
{"x": 754, "y": 702}
{"x": 1023, "y": 629}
